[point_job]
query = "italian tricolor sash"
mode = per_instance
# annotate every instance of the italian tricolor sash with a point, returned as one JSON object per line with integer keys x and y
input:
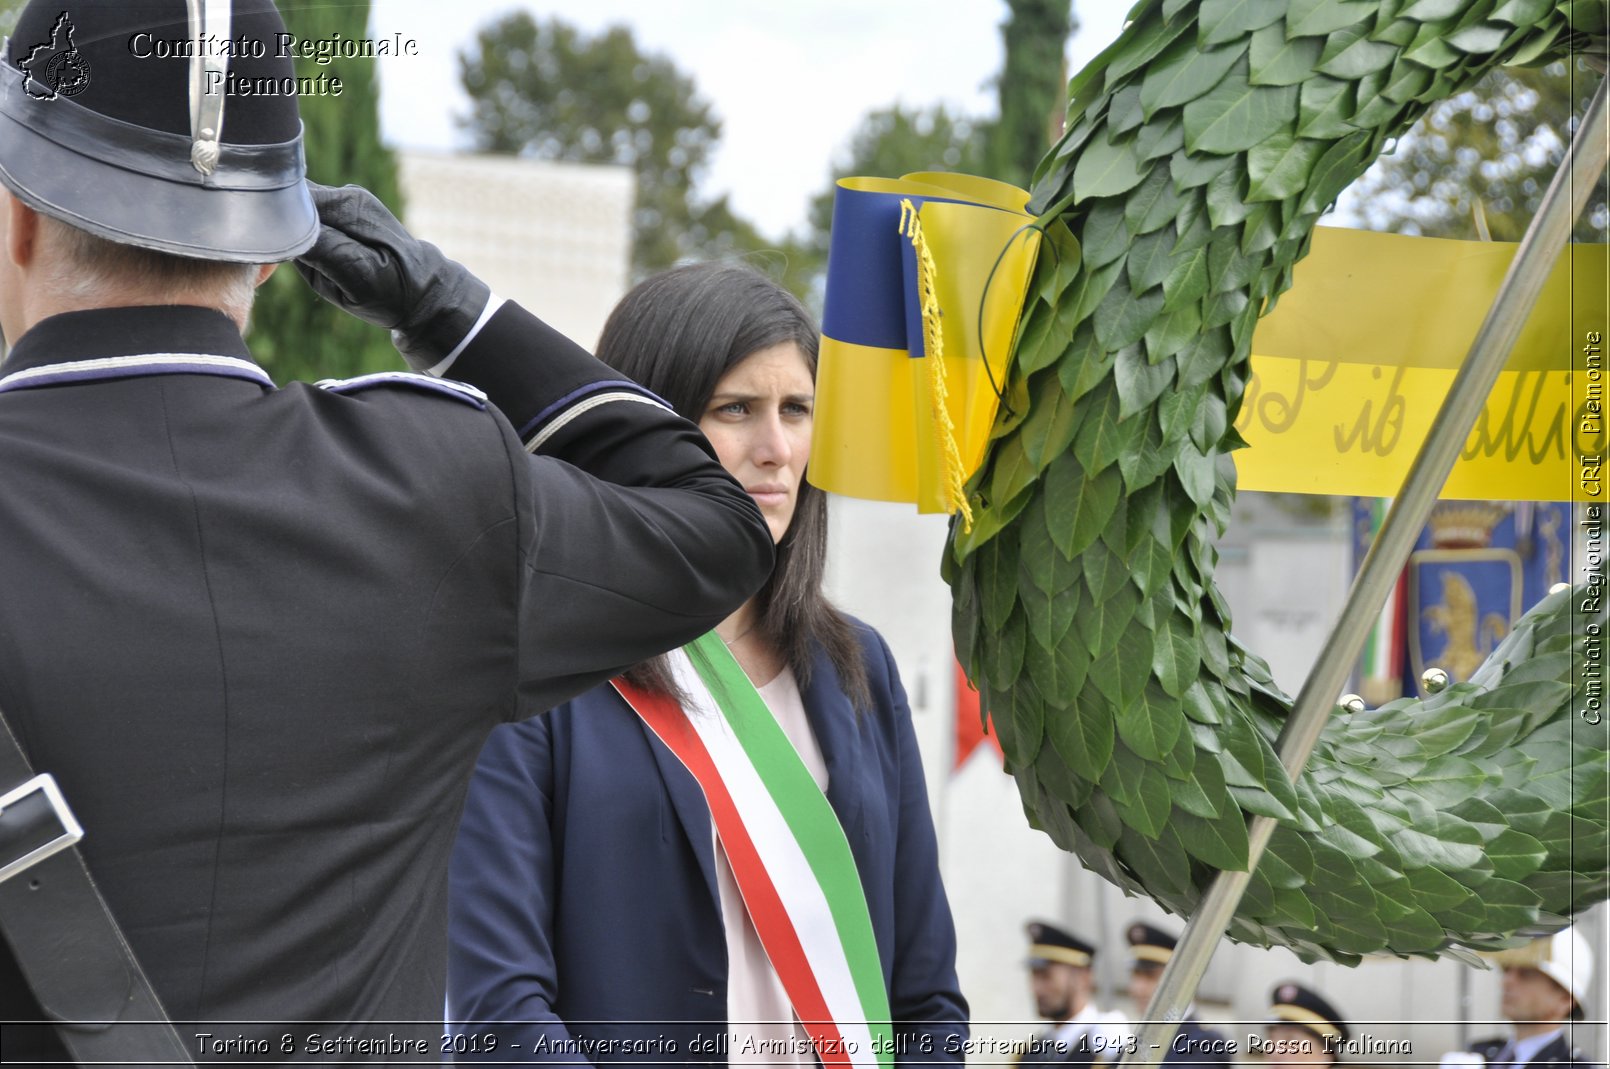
{"x": 788, "y": 852}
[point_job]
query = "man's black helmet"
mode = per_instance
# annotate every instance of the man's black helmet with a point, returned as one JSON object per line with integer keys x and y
{"x": 152, "y": 123}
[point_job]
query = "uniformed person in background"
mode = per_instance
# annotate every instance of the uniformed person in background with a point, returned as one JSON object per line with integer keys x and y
{"x": 1303, "y": 1028}
{"x": 1150, "y": 949}
{"x": 1544, "y": 986}
{"x": 1063, "y": 985}
{"x": 259, "y": 633}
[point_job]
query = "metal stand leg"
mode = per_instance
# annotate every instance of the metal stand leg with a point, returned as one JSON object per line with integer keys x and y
{"x": 1545, "y": 239}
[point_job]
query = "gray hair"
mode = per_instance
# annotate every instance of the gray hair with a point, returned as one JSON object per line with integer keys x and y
{"x": 91, "y": 269}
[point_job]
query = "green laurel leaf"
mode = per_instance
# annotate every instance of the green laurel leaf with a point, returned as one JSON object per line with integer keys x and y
{"x": 1222, "y": 21}
{"x": 1156, "y": 202}
{"x": 1057, "y": 779}
{"x": 1078, "y": 505}
{"x": 1106, "y": 169}
{"x": 1174, "y": 332}
{"x": 1350, "y": 54}
{"x": 1185, "y": 73}
{"x": 1280, "y": 167}
{"x": 1478, "y": 39}
{"x": 1140, "y": 382}
{"x": 1098, "y": 625}
{"x": 1273, "y": 59}
{"x": 1106, "y": 435}
{"x": 1105, "y": 571}
{"x": 1044, "y": 340}
{"x": 1019, "y": 719}
{"x": 996, "y": 572}
{"x": 1434, "y": 10}
{"x": 1221, "y": 843}
{"x": 1140, "y": 791}
{"x": 1514, "y": 854}
{"x": 1012, "y": 473}
{"x": 1151, "y": 723}
{"x": 1325, "y": 108}
{"x": 1124, "y": 317}
{"x": 1060, "y": 668}
{"x": 1449, "y": 779}
{"x": 1441, "y": 842}
{"x": 1202, "y": 790}
{"x": 1157, "y": 865}
{"x": 1187, "y": 279}
{"x": 1520, "y": 12}
{"x": 1049, "y": 428}
{"x": 1150, "y": 260}
{"x": 1234, "y": 115}
{"x": 1306, "y": 18}
{"x": 1175, "y": 659}
{"x": 1161, "y": 138}
{"x": 1003, "y": 658}
{"x": 1143, "y": 48}
{"x": 1083, "y": 735}
{"x": 1047, "y": 571}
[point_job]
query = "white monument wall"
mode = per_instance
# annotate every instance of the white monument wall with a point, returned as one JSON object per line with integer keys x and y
{"x": 555, "y": 237}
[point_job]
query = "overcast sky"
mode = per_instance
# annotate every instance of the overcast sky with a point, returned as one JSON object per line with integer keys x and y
{"x": 789, "y": 79}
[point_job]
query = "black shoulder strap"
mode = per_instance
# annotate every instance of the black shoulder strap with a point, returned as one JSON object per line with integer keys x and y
{"x": 64, "y": 937}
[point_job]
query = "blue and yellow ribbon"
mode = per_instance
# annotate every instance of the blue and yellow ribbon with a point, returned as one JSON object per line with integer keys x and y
{"x": 926, "y": 280}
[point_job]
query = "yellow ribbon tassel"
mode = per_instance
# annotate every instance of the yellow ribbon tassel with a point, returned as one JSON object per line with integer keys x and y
{"x": 934, "y": 343}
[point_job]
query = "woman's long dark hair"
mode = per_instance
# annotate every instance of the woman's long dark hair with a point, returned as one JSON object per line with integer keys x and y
{"x": 677, "y": 333}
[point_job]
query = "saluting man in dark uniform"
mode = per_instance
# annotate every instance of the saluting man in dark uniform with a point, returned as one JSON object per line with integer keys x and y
{"x": 1544, "y": 986}
{"x": 258, "y": 634}
{"x": 1150, "y": 949}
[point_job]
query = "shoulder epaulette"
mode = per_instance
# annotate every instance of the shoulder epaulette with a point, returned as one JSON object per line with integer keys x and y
{"x": 463, "y": 391}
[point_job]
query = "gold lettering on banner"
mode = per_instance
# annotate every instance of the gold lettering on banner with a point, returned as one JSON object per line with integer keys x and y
{"x": 1380, "y": 436}
{"x": 1273, "y": 410}
{"x": 1516, "y": 433}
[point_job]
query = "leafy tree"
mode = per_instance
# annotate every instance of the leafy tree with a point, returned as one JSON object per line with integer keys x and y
{"x": 1487, "y": 153}
{"x": 546, "y": 90}
{"x": 295, "y": 334}
{"x": 1031, "y": 87}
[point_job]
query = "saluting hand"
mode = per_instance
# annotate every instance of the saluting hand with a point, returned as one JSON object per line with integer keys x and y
{"x": 367, "y": 264}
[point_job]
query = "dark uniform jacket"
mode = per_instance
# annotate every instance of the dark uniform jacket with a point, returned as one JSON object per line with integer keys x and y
{"x": 259, "y": 635}
{"x": 1557, "y": 1052}
{"x": 585, "y": 914}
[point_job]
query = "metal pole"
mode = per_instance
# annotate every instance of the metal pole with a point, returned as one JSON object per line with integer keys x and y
{"x": 1545, "y": 239}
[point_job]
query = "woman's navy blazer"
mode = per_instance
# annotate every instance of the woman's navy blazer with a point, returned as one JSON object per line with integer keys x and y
{"x": 585, "y": 920}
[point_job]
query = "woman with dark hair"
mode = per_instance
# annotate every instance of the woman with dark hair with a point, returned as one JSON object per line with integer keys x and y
{"x": 665, "y": 870}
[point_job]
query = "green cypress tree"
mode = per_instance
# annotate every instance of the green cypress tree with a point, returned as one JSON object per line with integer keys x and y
{"x": 294, "y": 333}
{"x": 1030, "y": 87}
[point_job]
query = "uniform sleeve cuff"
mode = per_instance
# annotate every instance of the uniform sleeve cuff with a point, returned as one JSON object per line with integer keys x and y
{"x": 493, "y": 303}
{"x": 539, "y": 378}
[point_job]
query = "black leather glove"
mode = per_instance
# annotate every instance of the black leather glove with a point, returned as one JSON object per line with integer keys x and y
{"x": 368, "y": 265}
